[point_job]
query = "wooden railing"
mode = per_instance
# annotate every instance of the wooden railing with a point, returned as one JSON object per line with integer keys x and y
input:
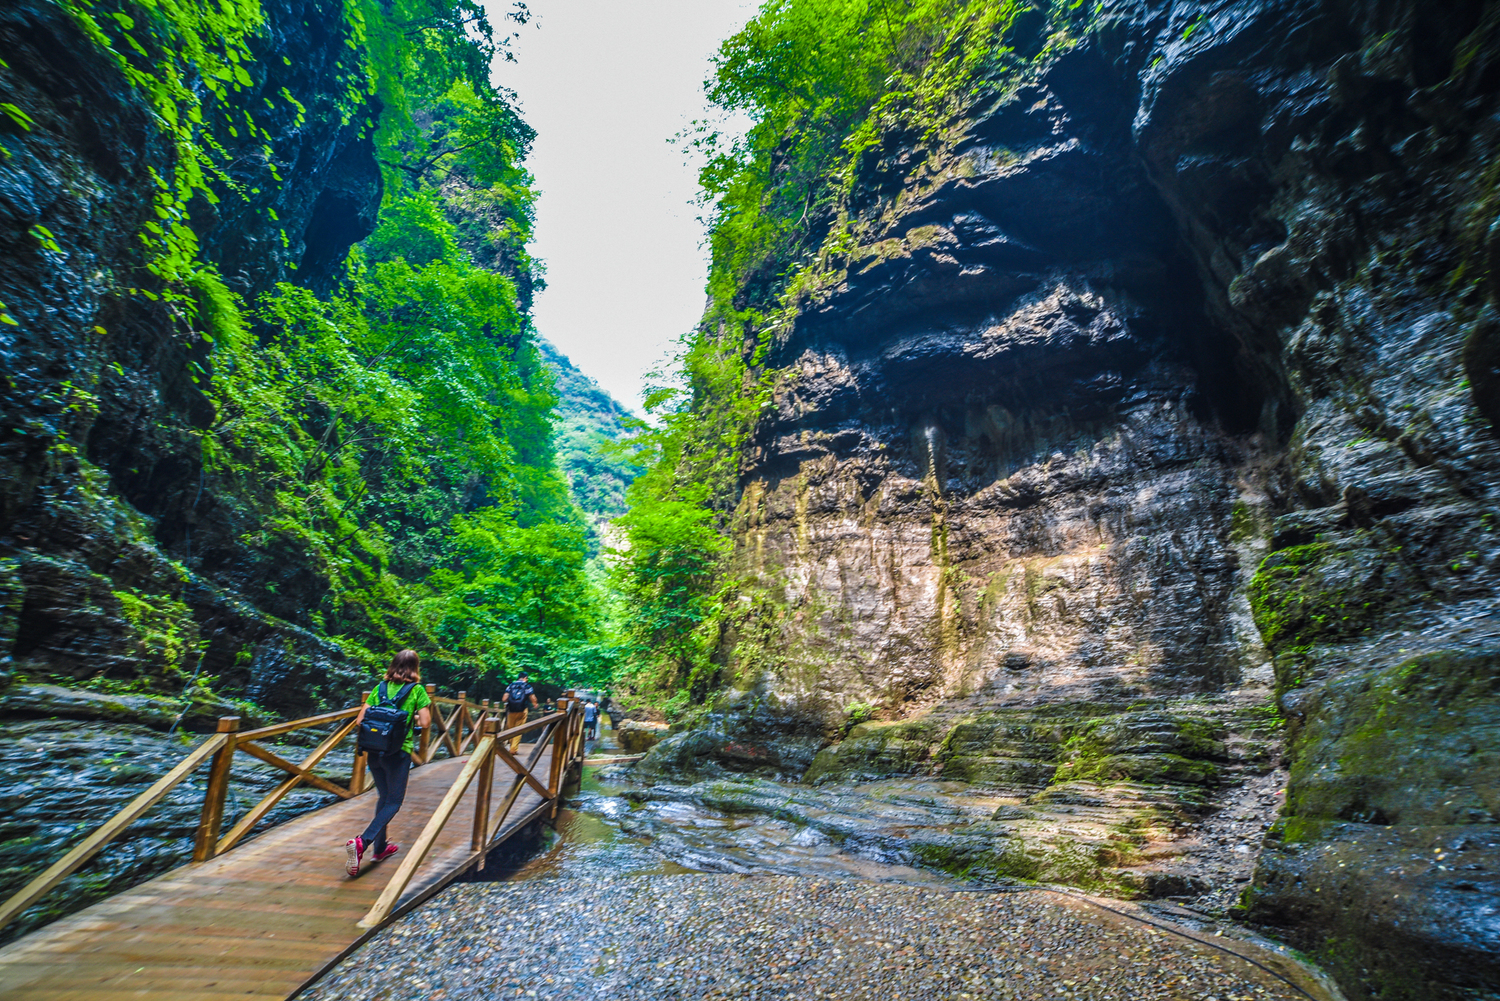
{"x": 455, "y": 731}
{"x": 561, "y": 730}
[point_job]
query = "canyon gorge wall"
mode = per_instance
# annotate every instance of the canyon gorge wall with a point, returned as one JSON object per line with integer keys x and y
{"x": 1158, "y": 400}
{"x": 121, "y": 557}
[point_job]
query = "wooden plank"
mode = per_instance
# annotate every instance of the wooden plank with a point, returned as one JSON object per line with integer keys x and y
{"x": 463, "y": 742}
{"x": 254, "y": 924}
{"x": 521, "y": 771}
{"x": 258, "y": 812}
{"x": 298, "y": 724}
{"x": 448, "y": 740}
{"x": 271, "y": 758}
{"x": 108, "y": 831}
{"x": 482, "y": 795}
{"x": 497, "y": 822}
{"x": 206, "y": 838}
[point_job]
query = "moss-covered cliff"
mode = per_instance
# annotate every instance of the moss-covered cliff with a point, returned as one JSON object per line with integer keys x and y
{"x": 1078, "y": 357}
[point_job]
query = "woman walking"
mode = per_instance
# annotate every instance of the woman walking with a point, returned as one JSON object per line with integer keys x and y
{"x": 402, "y": 688}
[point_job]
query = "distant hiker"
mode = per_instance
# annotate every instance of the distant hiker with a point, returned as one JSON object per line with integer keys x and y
{"x": 516, "y": 695}
{"x": 386, "y": 735}
{"x": 591, "y": 721}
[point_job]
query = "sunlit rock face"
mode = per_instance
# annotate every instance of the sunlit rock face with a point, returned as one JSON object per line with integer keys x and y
{"x": 1174, "y": 381}
{"x": 1000, "y": 464}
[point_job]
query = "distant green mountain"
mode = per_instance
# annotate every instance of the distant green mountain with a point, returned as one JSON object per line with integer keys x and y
{"x": 588, "y": 420}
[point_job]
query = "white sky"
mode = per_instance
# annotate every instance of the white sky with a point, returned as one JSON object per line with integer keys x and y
{"x": 606, "y": 84}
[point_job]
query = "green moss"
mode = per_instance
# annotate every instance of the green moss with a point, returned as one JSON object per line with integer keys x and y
{"x": 1243, "y": 525}
{"x": 1299, "y": 830}
{"x": 165, "y": 635}
{"x": 1142, "y": 747}
{"x": 1140, "y": 768}
{"x": 1316, "y": 593}
{"x": 996, "y": 860}
{"x": 1409, "y": 744}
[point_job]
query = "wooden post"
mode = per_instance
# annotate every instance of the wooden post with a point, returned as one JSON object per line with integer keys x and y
{"x": 212, "y": 818}
{"x": 559, "y": 735}
{"x": 426, "y": 737}
{"x": 357, "y": 777}
{"x": 486, "y": 780}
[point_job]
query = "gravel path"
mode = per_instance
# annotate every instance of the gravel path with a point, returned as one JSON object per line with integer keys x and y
{"x": 645, "y": 938}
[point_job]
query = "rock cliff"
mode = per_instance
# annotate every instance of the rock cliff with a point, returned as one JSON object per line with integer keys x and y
{"x": 1155, "y": 409}
{"x": 120, "y": 557}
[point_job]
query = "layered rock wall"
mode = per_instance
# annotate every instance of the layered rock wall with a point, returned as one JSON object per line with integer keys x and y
{"x": 1169, "y": 379}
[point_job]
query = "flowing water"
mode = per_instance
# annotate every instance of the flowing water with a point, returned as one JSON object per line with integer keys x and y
{"x": 601, "y": 832}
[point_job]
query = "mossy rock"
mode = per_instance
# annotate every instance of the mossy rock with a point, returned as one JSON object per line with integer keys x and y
{"x": 1144, "y": 747}
{"x": 1141, "y": 768}
{"x": 1416, "y": 743}
{"x": 1321, "y": 592}
{"x": 43, "y": 701}
{"x": 876, "y": 751}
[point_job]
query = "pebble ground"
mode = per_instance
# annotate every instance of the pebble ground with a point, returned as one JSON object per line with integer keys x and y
{"x": 644, "y": 938}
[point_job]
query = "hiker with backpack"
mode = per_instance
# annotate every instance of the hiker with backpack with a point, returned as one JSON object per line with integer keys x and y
{"x": 591, "y": 720}
{"x": 516, "y": 695}
{"x": 386, "y": 735}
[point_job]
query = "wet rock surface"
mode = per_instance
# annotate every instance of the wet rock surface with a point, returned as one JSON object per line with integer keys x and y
{"x": 1161, "y": 800}
{"x": 705, "y": 936}
{"x": 636, "y": 737}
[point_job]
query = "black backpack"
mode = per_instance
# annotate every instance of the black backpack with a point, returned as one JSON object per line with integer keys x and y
{"x": 383, "y": 730}
{"x": 515, "y": 696}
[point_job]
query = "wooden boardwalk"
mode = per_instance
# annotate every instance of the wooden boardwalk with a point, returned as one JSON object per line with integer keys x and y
{"x": 258, "y": 922}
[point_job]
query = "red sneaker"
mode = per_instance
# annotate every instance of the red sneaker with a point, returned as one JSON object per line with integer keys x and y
{"x": 353, "y": 849}
{"x": 390, "y": 849}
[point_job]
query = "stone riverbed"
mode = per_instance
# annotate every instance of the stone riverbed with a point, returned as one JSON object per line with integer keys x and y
{"x": 699, "y": 935}
{"x": 639, "y": 901}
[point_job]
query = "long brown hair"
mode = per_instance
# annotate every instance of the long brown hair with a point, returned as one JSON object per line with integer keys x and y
{"x": 405, "y": 668}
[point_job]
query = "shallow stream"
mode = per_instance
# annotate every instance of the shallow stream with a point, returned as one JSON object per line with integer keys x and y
{"x": 603, "y": 833}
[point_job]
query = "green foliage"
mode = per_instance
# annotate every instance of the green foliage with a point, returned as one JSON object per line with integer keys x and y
{"x": 824, "y": 82}
{"x": 164, "y": 633}
{"x": 393, "y": 436}
{"x": 189, "y": 59}
{"x": 589, "y": 428}
{"x": 397, "y": 435}
{"x": 670, "y": 576}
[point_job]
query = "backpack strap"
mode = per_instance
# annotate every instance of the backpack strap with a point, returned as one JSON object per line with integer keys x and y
{"x": 380, "y": 693}
{"x": 385, "y": 697}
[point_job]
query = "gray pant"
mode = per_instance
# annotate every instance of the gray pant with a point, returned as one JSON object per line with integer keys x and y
{"x": 389, "y": 771}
